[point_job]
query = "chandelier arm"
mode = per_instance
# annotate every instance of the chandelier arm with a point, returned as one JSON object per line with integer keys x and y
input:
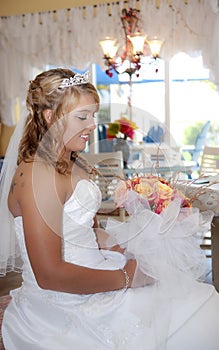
{"x": 114, "y": 68}
{"x": 125, "y": 34}
{"x": 133, "y": 52}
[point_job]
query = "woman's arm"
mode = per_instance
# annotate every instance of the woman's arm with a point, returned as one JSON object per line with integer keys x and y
{"x": 95, "y": 225}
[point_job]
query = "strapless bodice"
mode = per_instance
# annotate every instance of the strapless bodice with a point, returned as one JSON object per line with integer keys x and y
{"x": 84, "y": 202}
{"x": 79, "y": 240}
{"x": 80, "y": 245}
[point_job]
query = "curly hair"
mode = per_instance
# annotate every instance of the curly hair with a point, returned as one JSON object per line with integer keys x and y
{"x": 38, "y": 138}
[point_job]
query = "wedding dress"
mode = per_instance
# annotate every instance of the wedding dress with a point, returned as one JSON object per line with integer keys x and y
{"x": 40, "y": 319}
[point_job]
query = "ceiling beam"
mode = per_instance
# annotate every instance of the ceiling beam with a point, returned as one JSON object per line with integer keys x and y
{"x": 19, "y": 7}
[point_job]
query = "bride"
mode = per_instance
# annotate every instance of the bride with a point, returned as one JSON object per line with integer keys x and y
{"x": 76, "y": 292}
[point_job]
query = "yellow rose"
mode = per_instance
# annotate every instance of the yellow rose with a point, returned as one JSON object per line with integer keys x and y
{"x": 144, "y": 188}
{"x": 164, "y": 191}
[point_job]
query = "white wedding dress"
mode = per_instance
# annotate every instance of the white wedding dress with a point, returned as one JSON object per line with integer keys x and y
{"x": 39, "y": 319}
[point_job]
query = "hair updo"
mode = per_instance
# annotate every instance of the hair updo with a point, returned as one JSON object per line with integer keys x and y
{"x": 45, "y": 93}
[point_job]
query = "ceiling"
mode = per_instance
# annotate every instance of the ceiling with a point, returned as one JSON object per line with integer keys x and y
{"x": 18, "y": 7}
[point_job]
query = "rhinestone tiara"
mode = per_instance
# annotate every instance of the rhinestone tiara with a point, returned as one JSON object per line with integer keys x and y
{"x": 77, "y": 79}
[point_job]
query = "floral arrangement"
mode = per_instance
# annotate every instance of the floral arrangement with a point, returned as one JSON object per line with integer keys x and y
{"x": 162, "y": 231}
{"x": 157, "y": 191}
{"x": 121, "y": 128}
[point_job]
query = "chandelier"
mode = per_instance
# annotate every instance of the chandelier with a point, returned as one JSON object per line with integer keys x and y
{"x": 130, "y": 60}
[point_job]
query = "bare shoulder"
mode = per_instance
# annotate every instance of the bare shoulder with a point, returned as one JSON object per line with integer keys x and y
{"x": 35, "y": 182}
{"x": 26, "y": 175}
{"x": 21, "y": 178}
{"x": 20, "y": 183}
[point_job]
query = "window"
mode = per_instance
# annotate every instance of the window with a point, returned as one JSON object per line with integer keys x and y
{"x": 193, "y": 98}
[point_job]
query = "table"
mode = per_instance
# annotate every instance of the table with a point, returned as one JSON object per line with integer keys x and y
{"x": 162, "y": 170}
{"x": 161, "y": 158}
{"x": 209, "y": 200}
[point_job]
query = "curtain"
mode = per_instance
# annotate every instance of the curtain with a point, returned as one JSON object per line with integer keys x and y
{"x": 70, "y": 38}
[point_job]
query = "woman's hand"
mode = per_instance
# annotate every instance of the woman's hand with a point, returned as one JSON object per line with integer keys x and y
{"x": 104, "y": 240}
{"x": 136, "y": 277}
{"x": 130, "y": 268}
{"x": 117, "y": 248}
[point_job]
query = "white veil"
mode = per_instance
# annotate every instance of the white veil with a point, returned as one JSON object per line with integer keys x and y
{"x": 10, "y": 259}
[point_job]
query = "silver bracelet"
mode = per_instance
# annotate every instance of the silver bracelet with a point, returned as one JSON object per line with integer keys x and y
{"x": 126, "y": 279}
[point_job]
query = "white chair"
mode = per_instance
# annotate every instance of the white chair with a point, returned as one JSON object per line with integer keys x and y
{"x": 163, "y": 154}
{"x": 152, "y": 153}
{"x": 158, "y": 156}
{"x": 210, "y": 161}
{"x": 110, "y": 165}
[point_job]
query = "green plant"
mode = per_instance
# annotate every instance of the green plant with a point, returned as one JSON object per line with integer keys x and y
{"x": 191, "y": 133}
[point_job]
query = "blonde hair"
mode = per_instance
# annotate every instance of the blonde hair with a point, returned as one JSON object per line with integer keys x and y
{"x": 38, "y": 138}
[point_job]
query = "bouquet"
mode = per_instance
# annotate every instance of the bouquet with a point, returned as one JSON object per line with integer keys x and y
{"x": 158, "y": 192}
{"x": 163, "y": 231}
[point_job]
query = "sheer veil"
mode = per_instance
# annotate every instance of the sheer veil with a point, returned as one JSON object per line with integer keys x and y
{"x": 10, "y": 259}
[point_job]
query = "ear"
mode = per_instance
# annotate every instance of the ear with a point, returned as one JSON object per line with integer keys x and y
{"x": 48, "y": 116}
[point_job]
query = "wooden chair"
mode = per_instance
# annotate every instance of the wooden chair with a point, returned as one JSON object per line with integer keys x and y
{"x": 210, "y": 161}
{"x": 110, "y": 165}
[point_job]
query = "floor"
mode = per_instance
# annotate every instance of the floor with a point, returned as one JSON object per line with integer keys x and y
{"x": 11, "y": 281}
